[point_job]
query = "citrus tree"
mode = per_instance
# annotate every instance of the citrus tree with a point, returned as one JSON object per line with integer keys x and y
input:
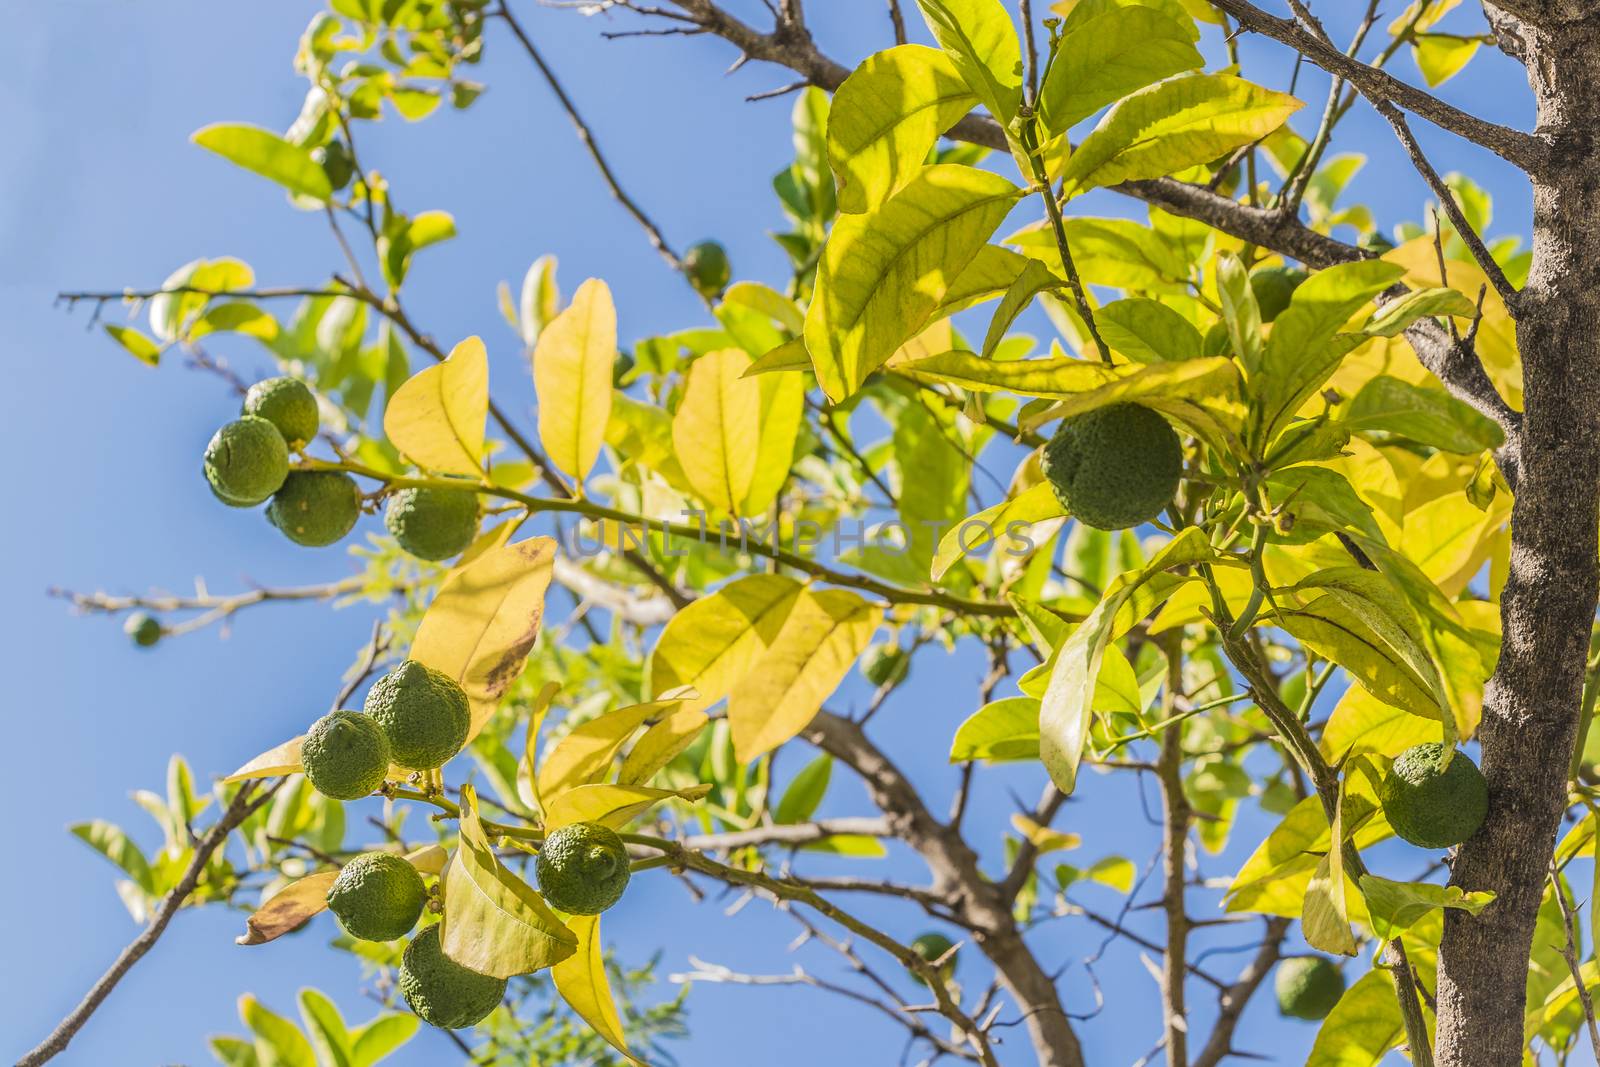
{"x": 1295, "y": 517}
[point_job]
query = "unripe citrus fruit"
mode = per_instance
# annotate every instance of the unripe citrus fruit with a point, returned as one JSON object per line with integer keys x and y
{"x": 433, "y": 524}
{"x": 1432, "y": 808}
{"x": 345, "y": 755}
{"x": 707, "y": 266}
{"x": 316, "y": 508}
{"x": 424, "y": 714}
{"x": 246, "y": 462}
{"x": 932, "y": 947}
{"x": 440, "y": 990}
{"x": 1308, "y": 987}
{"x": 1114, "y": 467}
{"x": 288, "y": 404}
{"x": 144, "y": 629}
{"x": 583, "y": 868}
{"x": 378, "y": 896}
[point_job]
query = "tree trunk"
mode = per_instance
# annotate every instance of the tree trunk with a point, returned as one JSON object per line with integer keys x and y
{"x": 1532, "y": 702}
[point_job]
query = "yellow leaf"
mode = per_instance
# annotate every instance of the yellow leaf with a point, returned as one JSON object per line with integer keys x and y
{"x": 1035, "y": 504}
{"x": 484, "y": 620}
{"x": 572, "y": 365}
{"x": 436, "y": 418}
{"x": 715, "y": 641}
{"x": 613, "y": 805}
{"x": 581, "y": 981}
{"x": 286, "y": 909}
{"x": 285, "y": 759}
{"x": 783, "y": 403}
{"x": 661, "y": 744}
{"x": 1044, "y": 838}
{"x": 1360, "y": 722}
{"x": 527, "y": 779}
{"x": 1325, "y": 920}
{"x": 429, "y": 859}
{"x": 716, "y": 431}
{"x": 585, "y": 753}
{"x": 494, "y": 922}
{"x": 820, "y": 639}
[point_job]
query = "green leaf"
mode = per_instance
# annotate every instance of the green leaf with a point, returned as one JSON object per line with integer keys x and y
{"x": 1034, "y": 279}
{"x": 115, "y": 845}
{"x": 1065, "y": 712}
{"x": 1397, "y": 316}
{"x": 804, "y": 794}
{"x": 382, "y": 1036}
{"x": 1240, "y": 312}
{"x": 494, "y": 922}
{"x": 1147, "y": 331}
{"x": 1104, "y": 58}
{"x": 233, "y": 1052}
{"x": 1174, "y": 125}
{"x": 1441, "y": 56}
{"x": 979, "y": 37}
{"x": 1397, "y": 906}
{"x": 1006, "y": 729}
{"x": 142, "y": 348}
{"x": 265, "y": 153}
{"x": 1303, "y": 351}
{"x": 279, "y": 1042}
{"x": 1362, "y": 1027}
{"x": 883, "y": 273}
{"x": 886, "y": 116}
{"x": 326, "y": 1028}
{"x": 1427, "y": 416}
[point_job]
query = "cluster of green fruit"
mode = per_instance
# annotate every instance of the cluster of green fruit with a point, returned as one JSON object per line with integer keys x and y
{"x": 247, "y": 463}
{"x": 414, "y": 717}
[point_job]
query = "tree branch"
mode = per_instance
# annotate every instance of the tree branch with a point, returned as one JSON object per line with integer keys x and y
{"x": 1522, "y": 149}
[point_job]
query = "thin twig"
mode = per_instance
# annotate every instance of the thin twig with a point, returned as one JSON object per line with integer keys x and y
{"x": 1569, "y": 952}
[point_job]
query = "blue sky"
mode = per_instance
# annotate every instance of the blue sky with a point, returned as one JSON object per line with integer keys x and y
{"x": 100, "y": 189}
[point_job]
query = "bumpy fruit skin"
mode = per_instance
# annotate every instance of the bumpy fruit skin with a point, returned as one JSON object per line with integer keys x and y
{"x": 378, "y": 896}
{"x": 707, "y": 266}
{"x": 1429, "y": 809}
{"x": 1308, "y": 987}
{"x": 424, "y": 714}
{"x": 583, "y": 868}
{"x": 440, "y": 990}
{"x": 246, "y": 462}
{"x": 345, "y": 755}
{"x": 433, "y": 524}
{"x": 1274, "y": 287}
{"x": 316, "y": 508}
{"x": 931, "y": 947}
{"x": 882, "y": 664}
{"x": 143, "y": 629}
{"x": 289, "y": 405}
{"x": 1114, "y": 467}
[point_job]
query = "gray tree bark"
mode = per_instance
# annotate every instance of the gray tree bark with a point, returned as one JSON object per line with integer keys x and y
{"x": 1532, "y": 702}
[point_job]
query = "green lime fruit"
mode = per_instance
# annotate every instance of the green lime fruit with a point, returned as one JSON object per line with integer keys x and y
{"x": 433, "y": 524}
{"x": 440, "y": 990}
{"x": 707, "y": 266}
{"x": 1274, "y": 287}
{"x": 334, "y": 159}
{"x": 246, "y": 462}
{"x": 932, "y": 947}
{"x": 144, "y": 629}
{"x": 1308, "y": 987}
{"x": 316, "y": 508}
{"x": 1432, "y": 808}
{"x": 289, "y": 405}
{"x": 378, "y": 896}
{"x": 345, "y": 755}
{"x": 424, "y": 714}
{"x": 583, "y": 868}
{"x": 885, "y": 663}
{"x": 1114, "y": 467}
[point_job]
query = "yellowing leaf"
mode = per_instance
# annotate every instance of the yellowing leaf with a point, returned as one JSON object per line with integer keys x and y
{"x": 527, "y": 779}
{"x": 820, "y": 639}
{"x": 587, "y": 750}
{"x": 1360, "y": 722}
{"x": 484, "y": 620}
{"x": 572, "y": 365}
{"x": 265, "y": 153}
{"x": 1030, "y": 506}
{"x": 1044, "y": 838}
{"x": 1173, "y": 125}
{"x": 436, "y": 418}
{"x": 1441, "y": 57}
{"x": 883, "y": 273}
{"x": 1064, "y": 713}
{"x": 613, "y": 805}
{"x": 886, "y": 116}
{"x": 783, "y": 401}
{"x": 286, "y": 909}
{"x": 581, "y": 980}
{"x": 718, "y": 639}
{"x": 141, "y": 347}
{"x": 1006, "y": 729}
{"x": 716, "y": 431}
{"x": 661, "y": 744}
{"x": 1325, "y": 919}
{"x": 979, "y": 37}
{"x": 494, "y": 922}
{"x": 284, "y": 759}
{"x": 1103, "y": 58}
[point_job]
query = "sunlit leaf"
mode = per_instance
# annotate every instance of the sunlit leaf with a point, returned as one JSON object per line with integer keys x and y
{"x": 265, "y": 153}
{"x": 572, "y": 364}
{"x": 436, "y": 418}
{"x": 1397, "y": 906}
{"x": 613, "y": 805}
{"x": 717, "y": 640}
{"x": 587, "y": 750}
{"x": 716, "y": 432}
{"x": 286, "y": 909}
{"x": 979, "y": 37}
{"x": 1104, "y": 58}
{"x": 284, "y": 759}
{"x": 1006, "y": 729}
{"x": 581, "y": 980}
